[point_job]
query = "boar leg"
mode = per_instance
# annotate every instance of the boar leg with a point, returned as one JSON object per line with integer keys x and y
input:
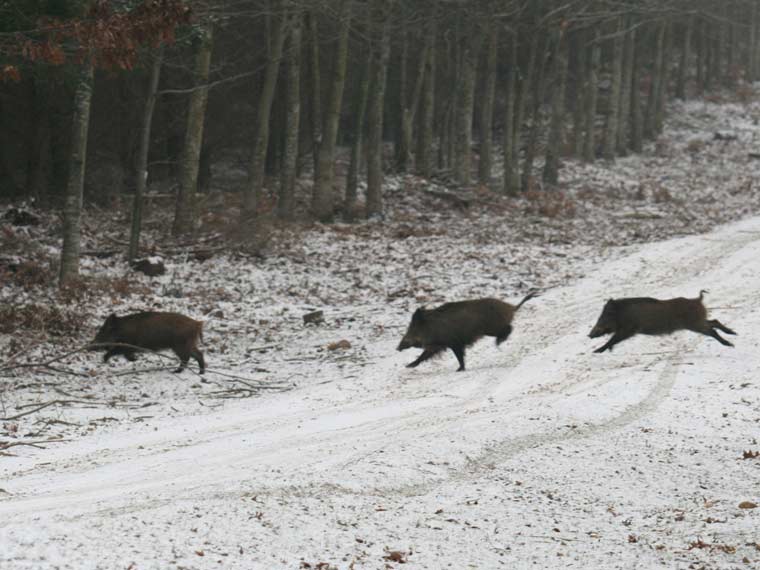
{"x": 715, "y": 323}
{"x": 198, "y": 355}
{"x": 619, "y": 336}
{"x": 504, "y": 335}
{"x": 184, "y": 356}
{"x": 459, "y": 353}
{"x": 427, "y": 354}
{"x": 713, "y": 333}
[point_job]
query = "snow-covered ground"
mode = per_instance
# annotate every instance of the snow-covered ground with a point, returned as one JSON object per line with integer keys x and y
{"x": 542, "y": 454}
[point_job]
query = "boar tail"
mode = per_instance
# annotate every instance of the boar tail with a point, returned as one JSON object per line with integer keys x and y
{"x": 702, "y": 292}
{"x": 532, "y": 293}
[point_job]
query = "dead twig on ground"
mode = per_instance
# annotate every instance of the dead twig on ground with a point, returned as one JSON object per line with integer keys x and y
{"x": 38, "y": 444}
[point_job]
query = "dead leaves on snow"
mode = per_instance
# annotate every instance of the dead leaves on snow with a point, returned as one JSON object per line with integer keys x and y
{"x": 396, "y": 556}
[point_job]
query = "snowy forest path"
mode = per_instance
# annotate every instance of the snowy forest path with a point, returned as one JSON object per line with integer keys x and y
{"x": 405, "y": 432}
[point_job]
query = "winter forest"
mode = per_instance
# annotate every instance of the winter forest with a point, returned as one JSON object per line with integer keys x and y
{"x": 285, "y": 190}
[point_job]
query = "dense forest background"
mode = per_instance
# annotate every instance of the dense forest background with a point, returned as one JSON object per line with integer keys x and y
{"x": 312, "y": 101}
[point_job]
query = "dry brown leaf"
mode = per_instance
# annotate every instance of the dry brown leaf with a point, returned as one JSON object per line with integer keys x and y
{"x": 396, "y": 556}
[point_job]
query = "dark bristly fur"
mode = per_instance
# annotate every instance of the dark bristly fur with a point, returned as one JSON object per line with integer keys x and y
{"x": 152, "y": 331}
{"x": 458, "y": 325}
{"x": 625, "y": 318}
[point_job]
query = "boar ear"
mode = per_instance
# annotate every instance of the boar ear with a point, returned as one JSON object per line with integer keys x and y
{"x": 111, "y": 319}
{"x": 419, "y": 314}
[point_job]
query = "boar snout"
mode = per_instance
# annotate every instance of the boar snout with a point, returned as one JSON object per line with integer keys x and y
{"x": 597, "y": 331}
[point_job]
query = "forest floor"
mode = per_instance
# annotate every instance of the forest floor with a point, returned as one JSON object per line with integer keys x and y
{"x": 300, "y": 452}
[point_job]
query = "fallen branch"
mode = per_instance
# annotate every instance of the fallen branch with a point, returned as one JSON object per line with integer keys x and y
{"x": 38, "y": 444}
{"x": 45, "y": 364}
{"x": 37, "y": 407}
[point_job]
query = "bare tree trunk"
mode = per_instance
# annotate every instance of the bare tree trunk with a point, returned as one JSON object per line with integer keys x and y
{"x": 286, "y": 203}
{"x": 185, "y": 213}
{"x": 531, "y": 148}
{"x": 450, "y": 122}
{"x": 701, "y": 58}
{"x": 592, "y": 92}
{"x": 357, "y": 137}
{"x": 613, "y": 108}
{"x": 650, "y": 125}
{"x": 581, "y": 79}
{"x": 486, "y": 115}
{"x": 511, "y": 180}
{"x": 257, "y": 167}
{"x": 72, "y": 209}
{"x": 464, "y": 110}
{"x": 556, "y": 127}
{"x": 141, "y": 175}
{"x": 624, "y": 127}
{"x": 322, "y": 200}
{"x": 683, "y": 68}
{"x": 380, "y": 50}
{"x": 752, "y": 50}
{"x": 662, "y": 87}
{"x": 401, "y": 152}
{"x": 316, "y": 90}
{"x": 424, "y": 158}
{"x": 637, "y": 116}
{"x": 409, "y": 112}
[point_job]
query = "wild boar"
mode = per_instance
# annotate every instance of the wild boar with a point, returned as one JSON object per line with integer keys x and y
{"x": 625, "y": 318}
{"x": 458, "y": 325}
{"x": 152, "y": 331}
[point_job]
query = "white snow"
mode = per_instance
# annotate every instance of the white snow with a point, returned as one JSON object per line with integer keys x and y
{"x": 541, "y": 455}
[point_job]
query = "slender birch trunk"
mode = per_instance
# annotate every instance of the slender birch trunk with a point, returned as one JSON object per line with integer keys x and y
{"x": 409, "y": 112}
{"x": 424, "y": 155}
{"x": 683, "y": 68}
{"x": 357, "y": 138}
{"x": 592, "y": 93}
{"x": 464, "y": 110}
{"x": 624, "y": 128}
{"x": 532, "y": 146}
{"x": 486, "y": 115}
{"x": 511, "y": 180}
{"x": 316, "y": 90}
{"x": 72, "y": 208}
{"x": 581, "y": 79}
{"x": 323, "y": 197}
{"x": 650, "y": 125}
{"x": 380, "y": 51}
{"x": 613, "y": 108}
{"x": 556, "y": 130}
{"x": 257, "y": 166}
{"x": 286, "y": 202}
{"x": 185, "y": 213}
{"x": 637, "y": 116}
{"x": 141, "y": 176}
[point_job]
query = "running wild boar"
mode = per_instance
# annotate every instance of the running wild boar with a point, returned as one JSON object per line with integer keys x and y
{"x": 457, "y": 326}
{"x": 152, "y": 331}
{"x": 624, "y": 318}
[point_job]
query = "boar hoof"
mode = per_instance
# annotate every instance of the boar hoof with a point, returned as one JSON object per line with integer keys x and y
{"x": 178, "y": 370}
